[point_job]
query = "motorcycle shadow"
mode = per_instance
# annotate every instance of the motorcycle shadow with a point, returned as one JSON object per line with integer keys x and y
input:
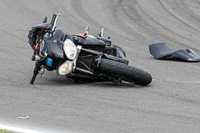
{"x": 61, "y": 81}
{"x": 174, "y": 60}
{"x": 124, "y": 85}
{"x": 107, "y": 84}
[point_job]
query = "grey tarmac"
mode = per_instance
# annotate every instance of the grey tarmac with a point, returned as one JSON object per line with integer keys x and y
{"x": 171, "y": 103}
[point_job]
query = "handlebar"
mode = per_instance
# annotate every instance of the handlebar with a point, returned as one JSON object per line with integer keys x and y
{"x": 54, "y": 21}
{"x": 33, "y": 79}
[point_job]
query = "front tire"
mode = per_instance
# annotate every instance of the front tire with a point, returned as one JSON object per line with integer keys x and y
{"x": 125, "y": 72}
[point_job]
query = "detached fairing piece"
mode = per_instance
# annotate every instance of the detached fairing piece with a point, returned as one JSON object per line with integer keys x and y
{"x": 162, "y": 51}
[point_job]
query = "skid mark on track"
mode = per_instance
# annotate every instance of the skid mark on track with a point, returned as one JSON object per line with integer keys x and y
{"x": 179, "y": 19}
{"x": 121, "y": 23}
{"x": 138, "y": 16}
{"x": 187, "y": 5}
{"x": 191, "y": 13}
{"x": 142, "y": 22}
{"x": 78, "y": 7}
{"x": 167, "y": 29}
{"x": 67, "y": 14}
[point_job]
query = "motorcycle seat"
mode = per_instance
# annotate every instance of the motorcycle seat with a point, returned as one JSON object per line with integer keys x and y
{"x": 93, "y": 41}
{"x": 86, "y": 41}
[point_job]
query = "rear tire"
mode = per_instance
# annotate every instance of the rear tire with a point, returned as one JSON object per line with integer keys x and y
{"x": 125, "y": 72}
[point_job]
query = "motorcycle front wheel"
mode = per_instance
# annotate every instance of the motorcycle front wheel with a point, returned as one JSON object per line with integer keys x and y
{"x": 125, "y": 72}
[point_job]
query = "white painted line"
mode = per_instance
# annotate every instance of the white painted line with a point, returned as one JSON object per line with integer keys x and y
{"x": 15, "y": 129}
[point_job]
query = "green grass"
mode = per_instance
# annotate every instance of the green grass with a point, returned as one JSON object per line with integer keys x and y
{"x": 5, "y": 131}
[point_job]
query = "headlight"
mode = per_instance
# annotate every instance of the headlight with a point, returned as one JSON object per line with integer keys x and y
{"x": 70, "y": 49}
{"x": 65, "y": 68}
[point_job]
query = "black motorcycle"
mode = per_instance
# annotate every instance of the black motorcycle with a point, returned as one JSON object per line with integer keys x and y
{"x": 81, "y": 56}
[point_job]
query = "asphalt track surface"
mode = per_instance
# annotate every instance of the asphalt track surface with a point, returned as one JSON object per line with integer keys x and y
{"x": 171, "y": 103}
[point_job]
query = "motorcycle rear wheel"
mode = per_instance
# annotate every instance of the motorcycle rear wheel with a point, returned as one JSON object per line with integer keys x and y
{"x": 125, "y": 72}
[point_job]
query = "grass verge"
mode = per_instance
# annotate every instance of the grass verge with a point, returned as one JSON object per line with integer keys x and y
{"x": 5, "y": 131}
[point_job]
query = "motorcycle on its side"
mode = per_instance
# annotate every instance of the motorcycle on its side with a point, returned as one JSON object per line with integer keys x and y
{"x": 81, "y": 56}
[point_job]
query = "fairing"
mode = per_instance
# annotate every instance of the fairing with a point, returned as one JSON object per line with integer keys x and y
{"x": 162, "y": 51}
{"x": 54, "y": 51}
{"x": 58, "y": 34}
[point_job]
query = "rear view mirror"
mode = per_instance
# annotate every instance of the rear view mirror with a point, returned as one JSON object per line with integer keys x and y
{"x": 45, "y": 20}
{"x": 86, "y": 30}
